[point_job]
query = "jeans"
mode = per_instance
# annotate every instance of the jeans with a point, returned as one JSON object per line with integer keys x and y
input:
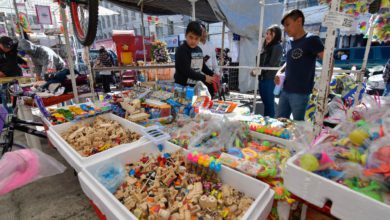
{"x": 387, "y": 89}
{"x": 106, "y": 80}
{"x": 294, "y": 103}
{"x": 266, "y": 90}
{"x": 58, "y": 77}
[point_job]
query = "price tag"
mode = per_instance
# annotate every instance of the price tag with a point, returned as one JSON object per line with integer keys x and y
{"x": 339, "y": 20}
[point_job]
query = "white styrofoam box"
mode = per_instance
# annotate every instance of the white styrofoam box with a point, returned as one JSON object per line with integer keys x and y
{"x": 346, "y": 203}
{"x": 114, "y": 209}
{"x": 72, "y": 156}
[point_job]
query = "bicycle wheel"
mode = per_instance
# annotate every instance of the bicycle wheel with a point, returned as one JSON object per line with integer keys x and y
{"x": 85, "y": 20}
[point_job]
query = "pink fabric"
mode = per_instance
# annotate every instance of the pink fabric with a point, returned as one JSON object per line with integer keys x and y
{"x": 18, "y": 168}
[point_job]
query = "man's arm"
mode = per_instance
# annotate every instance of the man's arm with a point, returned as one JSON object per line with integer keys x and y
{"x": 207, "y": 70}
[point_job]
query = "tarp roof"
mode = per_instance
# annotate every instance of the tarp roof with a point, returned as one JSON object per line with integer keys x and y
{"x": 171, "y": 7}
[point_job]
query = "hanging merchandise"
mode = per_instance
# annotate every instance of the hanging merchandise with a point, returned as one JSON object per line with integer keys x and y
{"x": 382, "y": 23}
{"x": 23, "y": 21}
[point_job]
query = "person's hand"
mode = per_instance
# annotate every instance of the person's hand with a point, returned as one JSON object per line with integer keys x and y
{"x": 277, "y": 79}
{"x": 209, "y": 79}
{"x": 255, "y": 72}
{"x": 2, "y": 74}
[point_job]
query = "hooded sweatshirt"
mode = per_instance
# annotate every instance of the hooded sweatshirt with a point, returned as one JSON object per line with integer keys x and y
{"x": 42, "y": 57}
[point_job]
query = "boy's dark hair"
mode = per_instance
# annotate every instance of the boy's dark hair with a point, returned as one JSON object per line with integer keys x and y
{"x": 8, "y": 42}
{"x": 294, "y": 14}
{"x": 195, "y": 28}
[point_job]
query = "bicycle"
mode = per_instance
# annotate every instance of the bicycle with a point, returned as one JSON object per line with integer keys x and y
{"x": 9, "y": 122}
{"x": 85, "y": 15}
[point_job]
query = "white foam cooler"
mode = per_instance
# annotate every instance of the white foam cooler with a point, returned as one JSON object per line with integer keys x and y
{"x": 73, "y": 157}
{"x": 346, "y": 203}
{"x": 114, "y": 209}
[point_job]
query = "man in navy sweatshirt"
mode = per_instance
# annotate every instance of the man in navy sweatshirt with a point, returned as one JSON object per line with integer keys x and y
{"x": 190, "y": 66}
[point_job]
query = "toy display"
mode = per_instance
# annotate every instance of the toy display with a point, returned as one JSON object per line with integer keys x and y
{"x": 270, "y": 129}
{"x": 99, "y": 135}
{"x": 358, "y": 157}
{"x": 173, "y": 186}
{"x": 133, "y": 110}
{"x": 77, "y": 112}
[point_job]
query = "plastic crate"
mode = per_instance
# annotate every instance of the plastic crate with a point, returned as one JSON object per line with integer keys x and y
{"x": 73, "y": 157}
{"x": 111, "y": 208}
{"x": 317, "y": 190}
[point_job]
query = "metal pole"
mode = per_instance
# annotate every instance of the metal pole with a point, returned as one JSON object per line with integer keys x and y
{"x": 326, "y": 73}
{"x": 223, "y": 44}
{"x": 69, "y": 52}
{"x": 259, "y": 48}
{"x": 193, "y": 9}
{"x": 143, "y": 30}
{"x": 88, "y": 63}
{"x": 18, "y": 20}
{"x": 359, "y": 77}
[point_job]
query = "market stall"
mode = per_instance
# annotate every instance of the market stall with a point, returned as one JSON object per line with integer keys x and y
{"x": 159, "y": 150}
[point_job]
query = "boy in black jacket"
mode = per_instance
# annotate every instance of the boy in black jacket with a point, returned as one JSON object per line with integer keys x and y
{"x": 189, "y": 63}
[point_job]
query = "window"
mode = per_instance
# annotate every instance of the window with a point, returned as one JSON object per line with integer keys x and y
{"x": 170, "y": 27}
{"x": 159, "y": 31}
{"x": 312, "y": 3}
{"x": 114, "y": 21}
{"x": 126, "y": 13}
{"x": 103, "y": 22}
{"x": 109, "y": 24}
{"x": 133, "y": 15}
{"x": 120, "y": 20}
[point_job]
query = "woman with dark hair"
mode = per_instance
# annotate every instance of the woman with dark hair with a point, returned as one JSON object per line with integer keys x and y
{"x": 270, "y": 57}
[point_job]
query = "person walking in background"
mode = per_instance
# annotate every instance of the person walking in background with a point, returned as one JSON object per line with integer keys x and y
{"x": 386, "y": 78}
{"x": 208, "y": 49}
{"x": 270, "y": 57}
{"x": 104, "y": 60}
{"x": 299, "y": 67}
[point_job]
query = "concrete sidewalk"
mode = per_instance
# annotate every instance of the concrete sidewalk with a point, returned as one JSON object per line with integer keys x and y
{"x": 56, "y": 197}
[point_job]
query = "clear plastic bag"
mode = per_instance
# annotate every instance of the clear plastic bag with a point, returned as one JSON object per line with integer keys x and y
{"x": 18, "y": 168}
{"x": 201, "y": 90}
{"x": 111, "y": 175}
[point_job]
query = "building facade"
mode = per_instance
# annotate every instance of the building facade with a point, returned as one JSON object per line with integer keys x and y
{"x": 160, "y": 26}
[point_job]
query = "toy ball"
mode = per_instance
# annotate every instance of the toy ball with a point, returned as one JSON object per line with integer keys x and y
{"x": 358, "y": 136}
{"x": 266, "y": 143}
{"x": 309, "y": 162}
